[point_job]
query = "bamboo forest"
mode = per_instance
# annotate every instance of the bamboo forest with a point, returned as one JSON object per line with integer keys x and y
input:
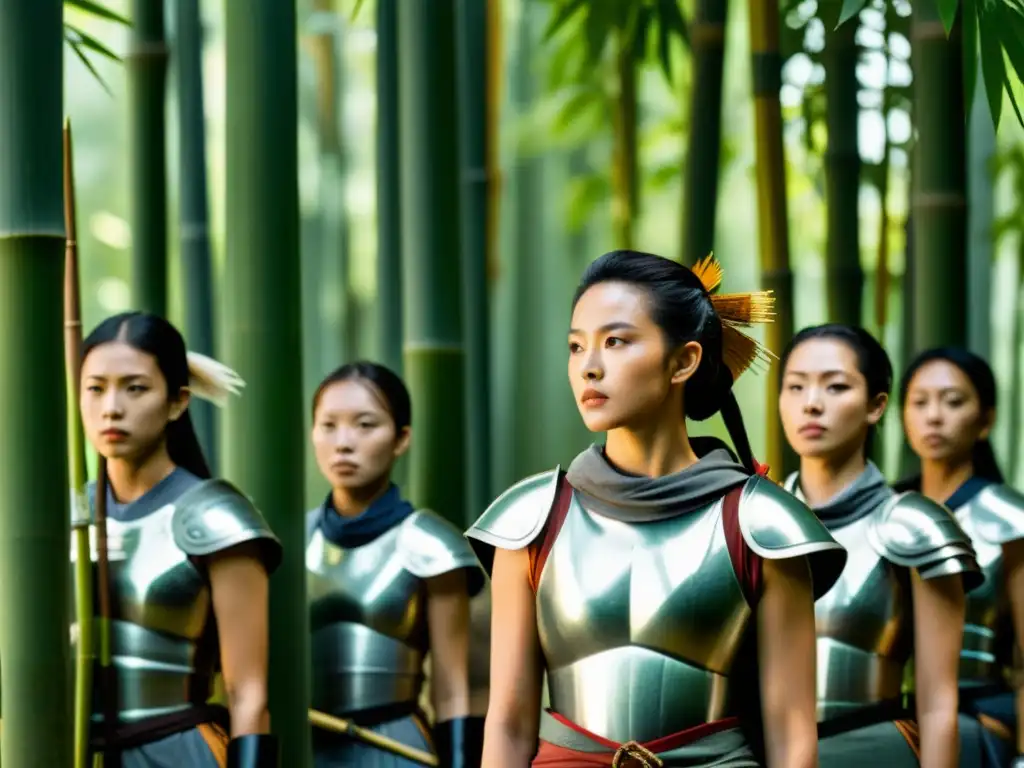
{"x": 422, "y": 183}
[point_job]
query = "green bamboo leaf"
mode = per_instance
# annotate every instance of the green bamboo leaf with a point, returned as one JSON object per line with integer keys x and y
{"x": 970, "y": 50}
{"x": 88, "y": 41}
{"x": 562, "y": 14}
{"x": 89, "y": 65}
{"x": 95, "y": 9}
{"x": 670, "y": 23}
{"x": 993, "y": 70}
{"x": 641, "y": 27}
{"x": 850, "y": 9}
{"x": 355, "y": 11}
{"x": 597, "y": 28}
{"x": 1011, "y": 19}
{"x": 947, "y": 11}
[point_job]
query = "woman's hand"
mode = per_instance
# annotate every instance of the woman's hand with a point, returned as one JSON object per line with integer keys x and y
{"x": 786, "y": 659}
{"x": 239, "y": 586}
{"x": 938, "y": 635}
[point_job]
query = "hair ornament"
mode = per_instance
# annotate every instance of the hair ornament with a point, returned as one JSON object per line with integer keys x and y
{"x": 736, "y": 311}
{"x": 212, "y": 380}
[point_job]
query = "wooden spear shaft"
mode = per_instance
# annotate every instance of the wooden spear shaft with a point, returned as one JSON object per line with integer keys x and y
{"x": 78, "y": 473}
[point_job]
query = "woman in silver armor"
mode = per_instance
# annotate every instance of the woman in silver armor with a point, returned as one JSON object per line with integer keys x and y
{"x": 189, "y": 559}
{"x": 387, "y": 585}
{"x": 666, "y": 590}
{"x": 949, "y": 406}
{"x": 902, "y": 592}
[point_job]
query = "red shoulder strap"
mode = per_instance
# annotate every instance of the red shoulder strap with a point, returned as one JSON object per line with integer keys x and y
{"x": 745, "y": 562}
{"x": 541, "y": 546}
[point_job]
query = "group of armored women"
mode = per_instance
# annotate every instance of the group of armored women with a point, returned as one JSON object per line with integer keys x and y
{"x": 662, "y": 602}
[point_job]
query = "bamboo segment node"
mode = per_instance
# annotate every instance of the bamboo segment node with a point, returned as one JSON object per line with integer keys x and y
{"x": 212, "y": 380}
{"x": 737, "y": 310}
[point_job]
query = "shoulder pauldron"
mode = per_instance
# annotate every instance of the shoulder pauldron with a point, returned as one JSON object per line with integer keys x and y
{"x": 997, "y": 514}
{"x": 913, "y": 531}
{"x": 429, "y": 546}
{"x": 515, "y": 518}
{"x": 214, "y": 515}
{"x": 777, "y": 526}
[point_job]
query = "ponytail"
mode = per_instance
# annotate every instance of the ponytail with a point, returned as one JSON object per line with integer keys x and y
{"x": 733, "y": 418}
{"x": 184, "y": 449}
{"x": 984, "y": 460}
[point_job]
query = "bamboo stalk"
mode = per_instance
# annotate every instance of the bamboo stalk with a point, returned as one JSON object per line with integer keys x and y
{"x": 434, "y": 355}
{"x": 625, "y": 175}
{"x": 473, "y": 81}
{"x": 263, "y": 448}
{"x": 348, "y": 728}
{"x": 939, "y": 203}
{"x": 844, "y": 279}
{"x": 146, "y": 63}
{"x": 389, "y": 213}
{"x": 108, "y": 680}
{"x": 196, "y": 265}
{"x": 700, "y": 199}
{"x": 80, "y": 514}
{"x": 34, "y": 519}
{"x": 772, "y": 217}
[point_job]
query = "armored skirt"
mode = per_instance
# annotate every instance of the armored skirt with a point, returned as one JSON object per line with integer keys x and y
{"x": 865, "y": 622}
{"x": 630, "y": 672}
{"x": 993, "y": 516}
{"x": 367, "y": 590}
{"x": 163, "y": 630}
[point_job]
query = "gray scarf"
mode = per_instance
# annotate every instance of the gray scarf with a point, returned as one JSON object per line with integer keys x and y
{"x": 638, "y": 499}
{"x": 861, "y": 497}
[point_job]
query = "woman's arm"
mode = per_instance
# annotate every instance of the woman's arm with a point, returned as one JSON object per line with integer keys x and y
{"x": 786, "y": 658}
{"x": 239, "y": 587}
{"x": 938, "y": 635}
{"x": 1013, "y": 557}
{"x": 448, "y": 624}
{"x": 513, "y": 715}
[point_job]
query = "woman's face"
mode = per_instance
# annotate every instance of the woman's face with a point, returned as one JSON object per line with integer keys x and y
{"x": 942, "y": 416}
{"x": 824, "y": 402}
{"x": 354, "y": 435}
{"x": 125, "y": 404}
{"x": 618, "y": 367}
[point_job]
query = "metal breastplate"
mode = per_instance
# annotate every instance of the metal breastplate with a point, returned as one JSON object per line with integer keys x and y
{"x": 640, "y": 624}
{"x": 988, "y": 626}
{"x": 864, "y": 627}
{"x": 368, "y": 623}
{"x": 160, "y": 611}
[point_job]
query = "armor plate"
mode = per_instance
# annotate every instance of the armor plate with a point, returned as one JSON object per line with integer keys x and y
{"x": 161, "y": 629}
{"x": 865, "y": 622}
{"x": 368, "y": 610}
{"x": 640, "y": 624}
{"x": 993, "y": 517}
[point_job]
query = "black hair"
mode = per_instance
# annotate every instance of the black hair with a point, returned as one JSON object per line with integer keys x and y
{"x": 155, "y": 336}
{"x": 386, "y": 382}
{"x": 682, "y": 308}
{"x": 872, "y": 360}
{"x": 984, "y": 382}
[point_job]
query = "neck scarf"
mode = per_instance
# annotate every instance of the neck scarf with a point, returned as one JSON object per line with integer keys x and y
{"x": 381, "y": 516}
{"x": 860, "y": 498}
{"x": 640, "y": 499}
{"x": 971, "y": 487}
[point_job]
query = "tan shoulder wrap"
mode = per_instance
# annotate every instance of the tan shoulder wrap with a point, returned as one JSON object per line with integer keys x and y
{"x": 515, "y": 518}
{"x": 913, "y": 531}
{"x": 778, "y": 526}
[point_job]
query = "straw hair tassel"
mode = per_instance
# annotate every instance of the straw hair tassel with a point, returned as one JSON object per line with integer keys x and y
{"x": 736, "y": 311}
{"x": 212, "y": 380}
